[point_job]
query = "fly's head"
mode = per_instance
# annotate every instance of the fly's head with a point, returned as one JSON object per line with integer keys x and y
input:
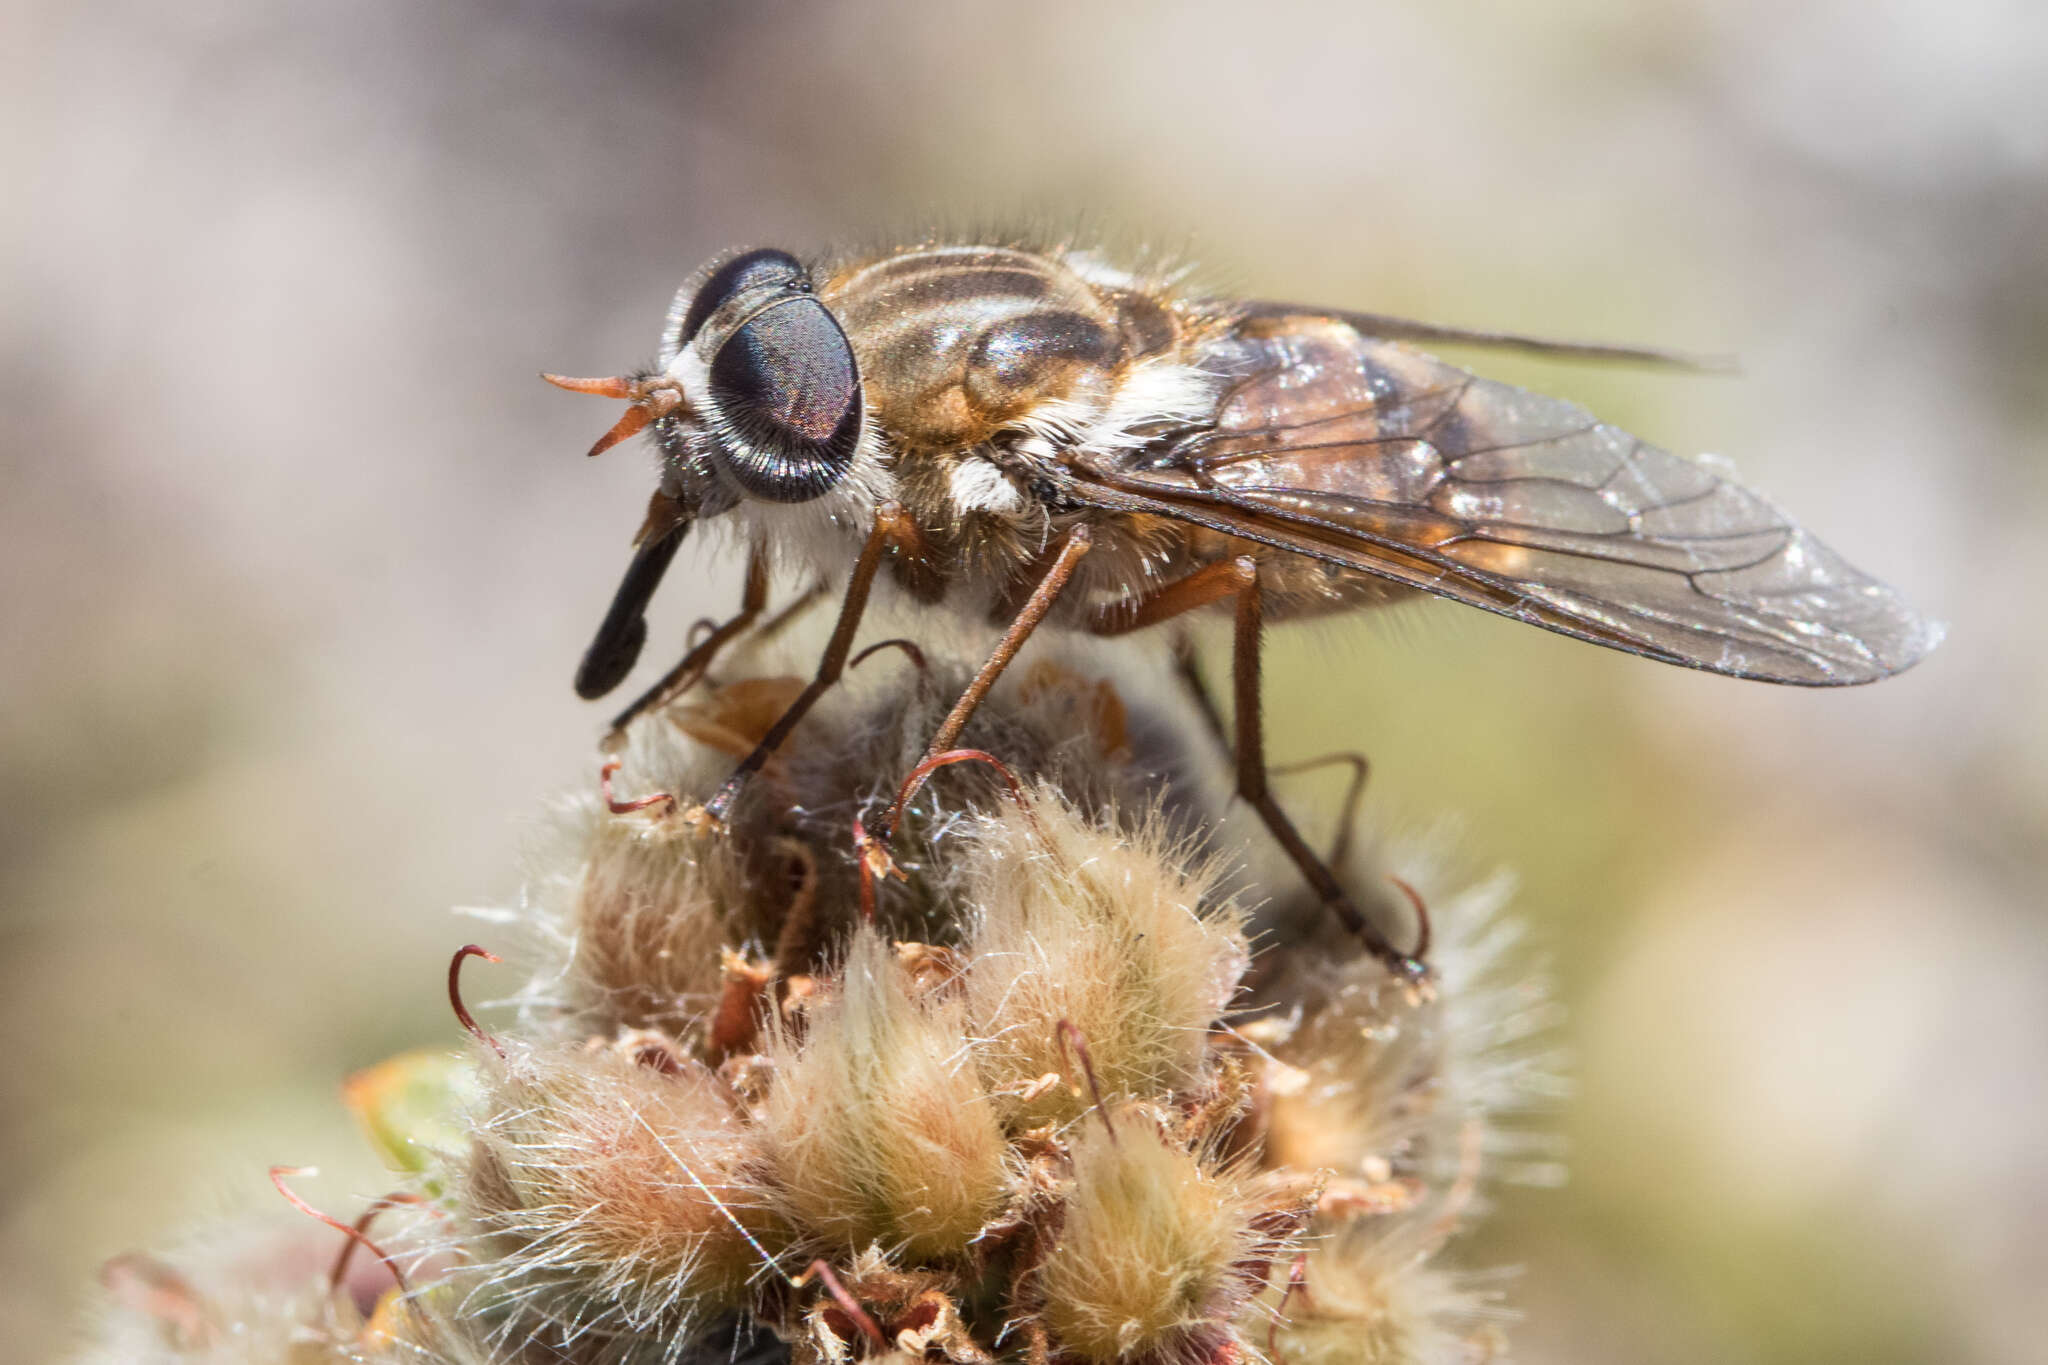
{"x": 757, "y": 396}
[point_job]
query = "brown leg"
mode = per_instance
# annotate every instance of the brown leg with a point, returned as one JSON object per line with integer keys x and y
{"x": 691, "y": 670}
{"x": 1251, "y": 780}
{"x": 1347, "y": 813}
{"x": 1040, "y": 602}
{"x": 1210, "y": 583}
{"x": 1239, "y": 577}
{"x": 779, "y": 622}
{"x": 892, "y": 527}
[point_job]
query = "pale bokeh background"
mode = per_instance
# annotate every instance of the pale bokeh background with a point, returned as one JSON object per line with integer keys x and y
{"x": 298, "y": 558}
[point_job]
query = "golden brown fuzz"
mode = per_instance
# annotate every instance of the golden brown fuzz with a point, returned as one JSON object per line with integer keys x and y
{"x": 1100, "y": 925}
{"x": 878, "y": 1128}
{"x": 1144, "y": 1267}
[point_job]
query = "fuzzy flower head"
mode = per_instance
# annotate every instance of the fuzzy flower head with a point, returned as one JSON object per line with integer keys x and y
{"x": 1035, "y": 1098}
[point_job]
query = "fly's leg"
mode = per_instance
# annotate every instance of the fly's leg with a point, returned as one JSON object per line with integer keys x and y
{"x": 1251, "y": 779}
{"x": 1239, "y": 578}
{"x": 1347, "y": 813}
{"x": 688, "y": 673}
{"x": 893, "y": 527}
{"x": 802, "y": 603}
{"x": 1033, "y": 611}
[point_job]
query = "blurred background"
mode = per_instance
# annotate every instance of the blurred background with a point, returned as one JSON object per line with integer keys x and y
{"x": 298, "y": 557}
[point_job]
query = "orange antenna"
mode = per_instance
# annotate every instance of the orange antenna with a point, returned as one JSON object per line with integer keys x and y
{"x": 618, "y": 386}
{"x": 651, "y": 397}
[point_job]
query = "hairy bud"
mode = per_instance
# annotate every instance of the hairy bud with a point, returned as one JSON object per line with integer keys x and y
{"x": 1112, "y": 931}
{"x": 876, "y": 1122}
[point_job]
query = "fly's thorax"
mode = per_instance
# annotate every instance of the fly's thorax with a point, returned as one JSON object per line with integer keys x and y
{"x": 958, "y": 344}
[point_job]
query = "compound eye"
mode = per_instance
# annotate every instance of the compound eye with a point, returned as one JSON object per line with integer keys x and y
{"x": 787, "y": 393}
{"x": 748, "y": 270}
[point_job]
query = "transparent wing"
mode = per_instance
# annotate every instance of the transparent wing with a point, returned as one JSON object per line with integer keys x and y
{"x": 1387, "y": 327}
{"x": 1366, "y": 453}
